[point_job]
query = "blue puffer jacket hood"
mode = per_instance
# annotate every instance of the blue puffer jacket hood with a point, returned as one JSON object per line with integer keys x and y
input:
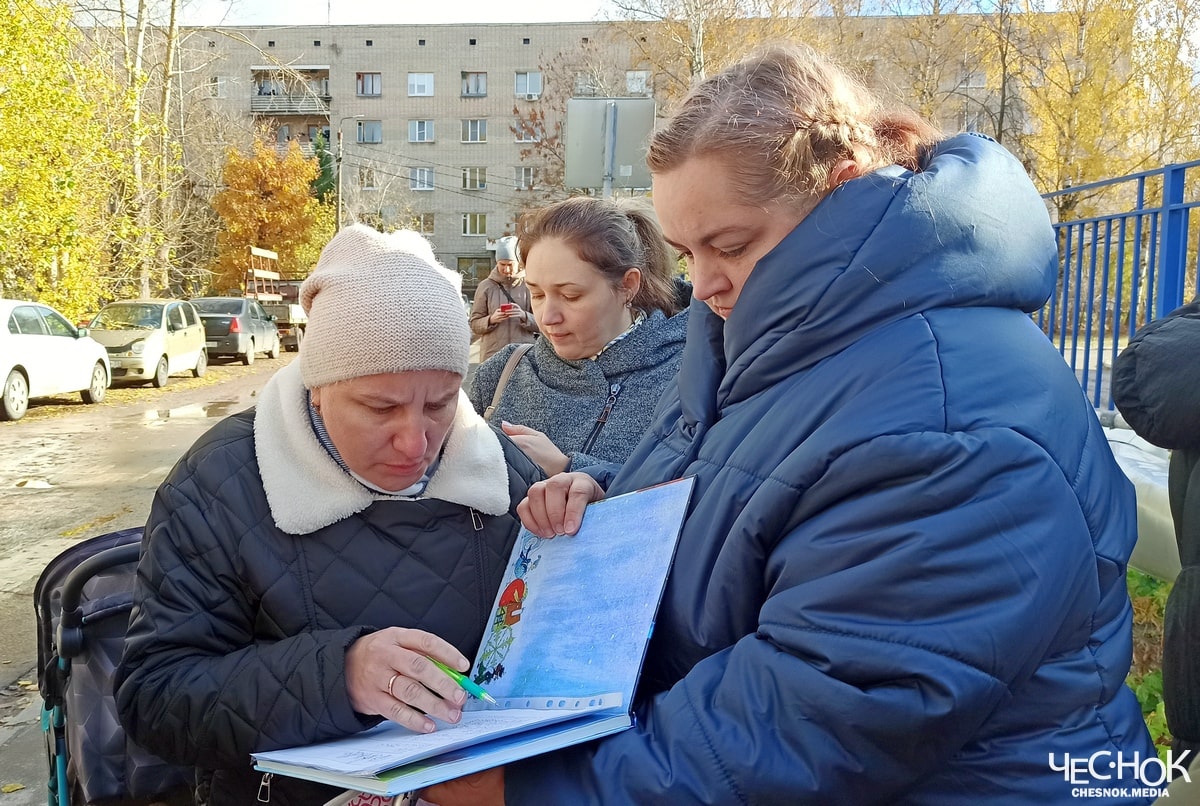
{"x": 901, "y": 577}
{"x": 969, "y": 230}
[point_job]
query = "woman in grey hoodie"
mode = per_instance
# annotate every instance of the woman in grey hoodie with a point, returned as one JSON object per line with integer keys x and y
{"x": 601, "y": 279}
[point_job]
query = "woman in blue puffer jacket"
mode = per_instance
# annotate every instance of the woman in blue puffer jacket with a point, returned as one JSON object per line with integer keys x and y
{"x": 902, "y": 576}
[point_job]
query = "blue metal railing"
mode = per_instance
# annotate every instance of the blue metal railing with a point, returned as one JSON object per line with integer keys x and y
{"x": 1119, "y": 270}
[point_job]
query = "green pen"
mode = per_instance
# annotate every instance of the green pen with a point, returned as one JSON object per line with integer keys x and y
{"x": 467, "y": 684}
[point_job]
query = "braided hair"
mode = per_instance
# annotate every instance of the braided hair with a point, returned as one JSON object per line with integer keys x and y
{"x": 784, "y": 118}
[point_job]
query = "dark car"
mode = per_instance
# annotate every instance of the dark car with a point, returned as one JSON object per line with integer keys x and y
{"x": 237, "y": 326}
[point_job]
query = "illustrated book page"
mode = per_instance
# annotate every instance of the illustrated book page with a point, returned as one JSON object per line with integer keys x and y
{"x": 570, "y": 625}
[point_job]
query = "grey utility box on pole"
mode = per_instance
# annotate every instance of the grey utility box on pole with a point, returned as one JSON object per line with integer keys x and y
{"x": 606, "y": 141}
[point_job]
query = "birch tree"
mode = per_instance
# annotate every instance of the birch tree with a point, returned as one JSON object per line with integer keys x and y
{"x": 55, "y": 165}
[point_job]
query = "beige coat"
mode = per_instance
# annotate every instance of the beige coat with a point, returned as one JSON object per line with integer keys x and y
{"x": 490, "y": 296}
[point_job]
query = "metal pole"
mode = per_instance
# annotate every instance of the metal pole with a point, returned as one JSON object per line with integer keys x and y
{"x": 1172, "y": 249}
{"x": 337, "y": 218}
{"x": 610, "y": 148}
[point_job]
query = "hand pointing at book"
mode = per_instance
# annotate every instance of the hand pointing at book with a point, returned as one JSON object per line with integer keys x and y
{"x": 389, "y": 673}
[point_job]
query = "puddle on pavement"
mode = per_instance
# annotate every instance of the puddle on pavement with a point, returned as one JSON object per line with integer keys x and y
{"x": 196, "y": 411}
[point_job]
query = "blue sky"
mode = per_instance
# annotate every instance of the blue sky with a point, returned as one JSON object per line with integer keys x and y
{"x": 361, "y": 12}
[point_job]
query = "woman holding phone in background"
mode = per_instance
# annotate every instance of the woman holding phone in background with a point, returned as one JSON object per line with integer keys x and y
{"x": 501, "y": 314}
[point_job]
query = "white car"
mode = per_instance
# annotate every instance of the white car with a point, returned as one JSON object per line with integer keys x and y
{"x": 151, "y": 339}
{"x": 43, "y": 354}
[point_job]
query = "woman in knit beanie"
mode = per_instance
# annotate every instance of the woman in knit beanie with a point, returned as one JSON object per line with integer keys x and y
{"x": 306, "y": 558}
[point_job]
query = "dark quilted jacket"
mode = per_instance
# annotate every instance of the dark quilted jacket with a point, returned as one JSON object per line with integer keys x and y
{"x": 239, "y": 632}
{"x": 1156, "y": 385}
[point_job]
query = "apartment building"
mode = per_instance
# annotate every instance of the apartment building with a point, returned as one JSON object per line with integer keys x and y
{"x": 425, "y": 115}
{"x": 428, "y": 115}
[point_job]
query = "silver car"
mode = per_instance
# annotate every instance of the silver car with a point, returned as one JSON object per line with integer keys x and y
{"x": 151, "y": 339}
{"x": 237, "y": 326}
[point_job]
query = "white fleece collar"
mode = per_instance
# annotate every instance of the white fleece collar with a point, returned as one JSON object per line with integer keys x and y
{"x": 306, "y": 490}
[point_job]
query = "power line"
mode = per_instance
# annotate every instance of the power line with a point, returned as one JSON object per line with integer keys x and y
{"x": 471, "y": 194}
{"x": 453, "y": 187}
{"x": 411, "y": 157}
{"x": 454, "y": 174}
{"x": 402, "y": 161}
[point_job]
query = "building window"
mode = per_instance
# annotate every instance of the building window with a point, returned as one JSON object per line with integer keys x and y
{"x": 370, "y": 42}
{"x": 525, "y": 41}
{"x": 422, "y": 223}
{"x": 526, "y": 177}
{"x": 366, "y": 178}
{"x": 474, "y": 85}
{"x": 369, "y": 84}
{"x": 217, "y": 85}
{"x": 316, "y": 43}
{"x": 474, "y": 270}
{"x": 421, "y": 43}
{"x": 370, "y": 131}
{"x": 474, "y": 178}
{"x": 637, "y": 82}
{"x": 420, "y": 131}
{"x": 471, "y": 41}
{"x": 270, "y": 43}
{"x": 420, "y": 84}
{"x": 529, "y": 85}
{"x": 585, "y": 85}
{"x": 474, "y": 223}
{"x": 420, "y": 179}
{"x": 975, "y": 81}
{"x": 527, "y": 131}
{"x": 474, "y": 130}
{"x": 971, "y": 121}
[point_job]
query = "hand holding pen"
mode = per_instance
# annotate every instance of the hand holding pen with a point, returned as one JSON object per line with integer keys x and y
{"x": 393, "y": 673}
{"x": 468, "y": 685}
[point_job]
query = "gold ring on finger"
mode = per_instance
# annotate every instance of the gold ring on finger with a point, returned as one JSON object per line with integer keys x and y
{"x": 391, "y": 683}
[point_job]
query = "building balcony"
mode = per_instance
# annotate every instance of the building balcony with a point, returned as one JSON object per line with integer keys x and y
{"x": 299, "y": 104}
{"x": 307, "y": 149}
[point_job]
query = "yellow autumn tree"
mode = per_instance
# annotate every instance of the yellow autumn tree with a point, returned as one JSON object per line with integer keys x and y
{"x": 1081, "y": 93}
{"x": 54, "y": 167}
{"x": 267, "y": 201}
{"x": 1165, "y": 59}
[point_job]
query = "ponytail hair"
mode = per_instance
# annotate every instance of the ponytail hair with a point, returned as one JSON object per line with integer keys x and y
{"x": 614, "y": 236}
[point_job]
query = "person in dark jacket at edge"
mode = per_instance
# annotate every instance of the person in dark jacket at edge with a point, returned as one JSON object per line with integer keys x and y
{"x": 901, "y": 579}
{"x": 600, "y": 276}
{"x": 1156, "y": 386}
{"x": 501, "y": 312}
{"x": 304, "y": 559}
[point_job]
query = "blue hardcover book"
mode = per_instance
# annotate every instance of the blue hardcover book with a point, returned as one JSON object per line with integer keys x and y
{"x": 571, "y": 623}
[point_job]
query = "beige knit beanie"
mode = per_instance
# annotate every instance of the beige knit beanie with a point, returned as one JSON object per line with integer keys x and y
{"x": 380, "y": 302}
